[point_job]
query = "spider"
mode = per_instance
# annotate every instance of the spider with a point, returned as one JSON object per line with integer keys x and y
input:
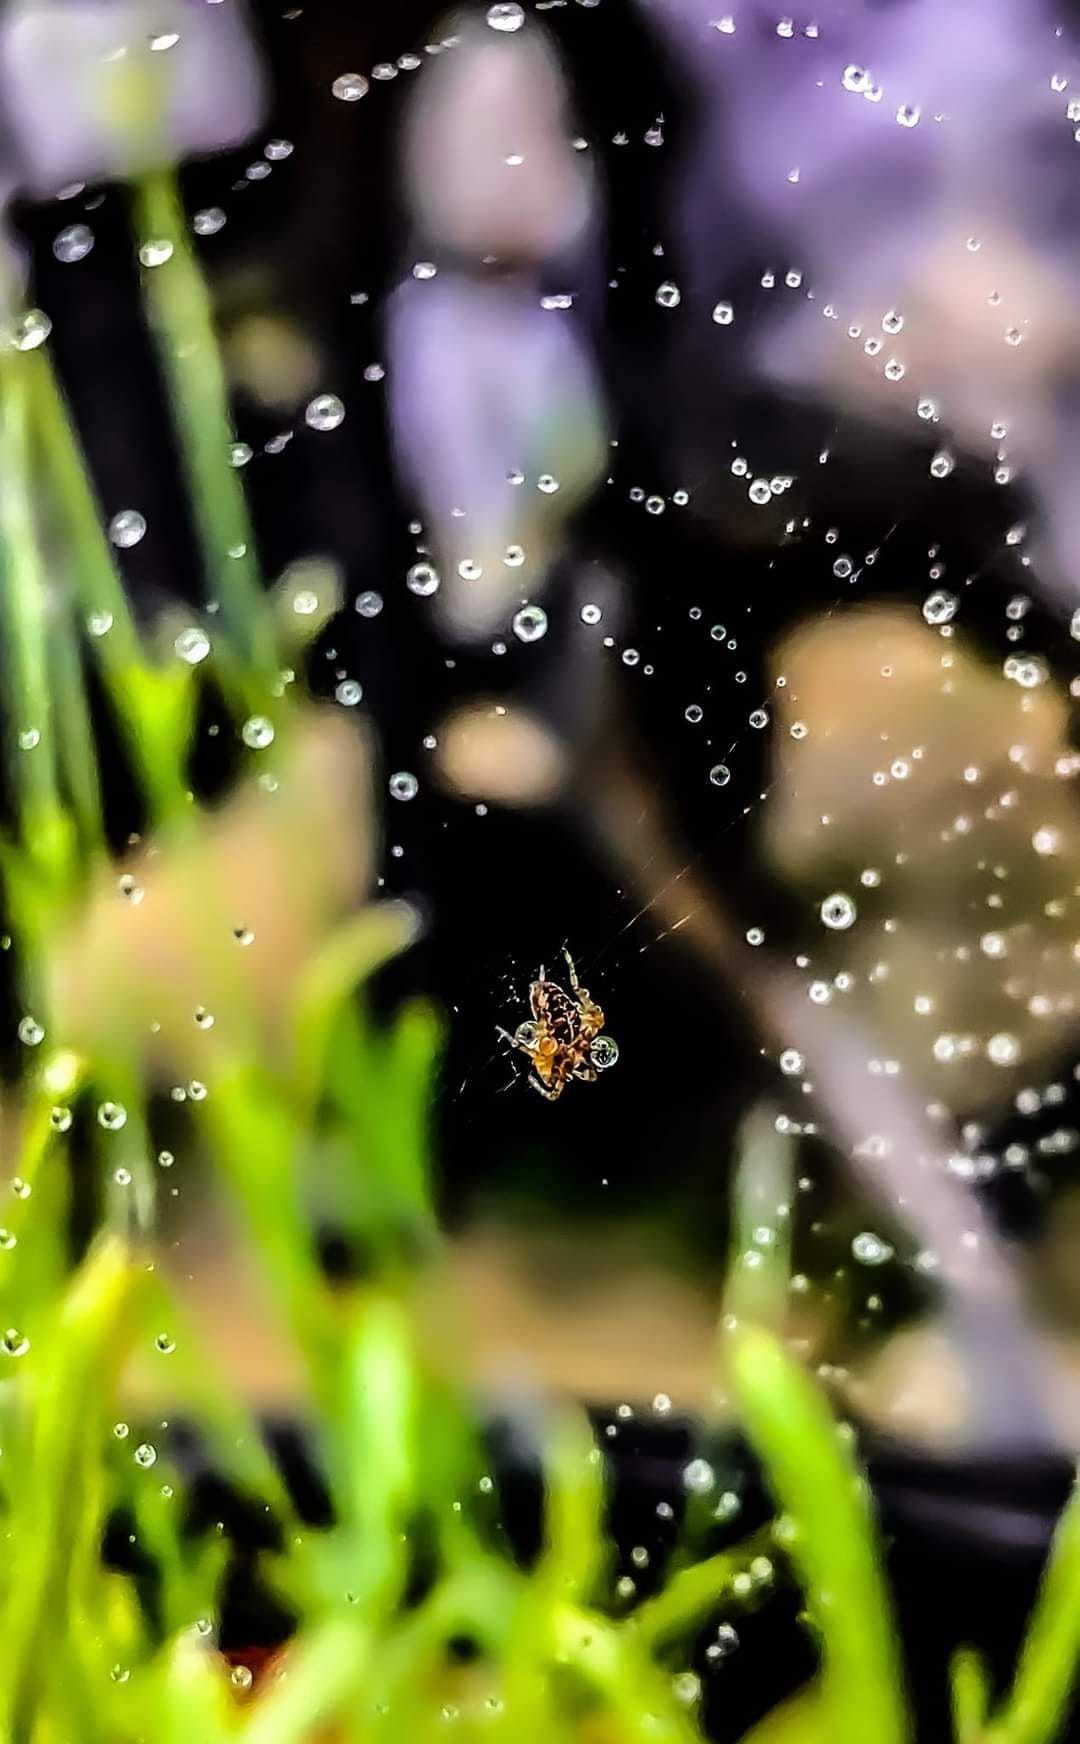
{"x": 562, "y": 1039}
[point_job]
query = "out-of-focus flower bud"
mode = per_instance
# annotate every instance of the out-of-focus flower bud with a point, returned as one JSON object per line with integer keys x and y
{"x": 490, "y": 169}
{"x": 499, "y": 428}
{"x": 110, "y": 88}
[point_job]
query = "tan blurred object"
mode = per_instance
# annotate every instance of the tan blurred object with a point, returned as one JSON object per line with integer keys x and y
{"x": 270, "y": 358}
{"x": 491, "y": 752}
{"x": 218, "y": 918}
{"x": 934, "y": 792}
{"x": 952, "y": 344}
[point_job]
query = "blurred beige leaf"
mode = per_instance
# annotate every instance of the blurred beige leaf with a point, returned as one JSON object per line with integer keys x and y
{"x": 935, "y": 792}
{"x": 218, "y": 918}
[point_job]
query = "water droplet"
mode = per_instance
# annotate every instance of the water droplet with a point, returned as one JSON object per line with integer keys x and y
{"x": 942, "y": 463}
{"x": 604, "y": 1052}
{"x": 31, "y": 330}
{"x": 99, "y": 623}
{"x": 908, "y": 114}
{"x": 60, "y": 1119}
{"x": 1029, "y": 674}
{"x": 870, "y": 1249}
{"x": 630, "y": 657}
{"x": 155, "y": 252}
{"x": 725, "y": 1641}
{"x": 165, "y": 1159}
{"x": 31, "y": 1032}
{"x": 349, "y": 692}
{"x": 73, "y": 243}
{"x": 720, "y": 775}
{"x": 112, "y": 1116}
{"x": 838, "y": 911}
{"x": 842, "y": 568}
{"x": 668, "y": 295}
{"x": 145, "y": 1454}
{"x": 940, "y": 607}
{"x": 547, "y": 484}
{"x": 694, "y": 713}
{"x": 698, "y": 1477}
{"x": 1014, "y": 336}
{"x": 424, "y": 269}
{"x": 241, "y": 1676}
{"x": 1046, "y": 840}
{"x": 278, "y": 149}
{"x": 192, "y": 644}
{"x": 591, "y": 614}
{"x": 350, "y": 87}
{"x": 15, "y": 1342}
{"x": 895, "y": 370}
{"x": 29, "y": 739}
{"x": 164, "y": 1344}
{"x": 855, "y": 79}
{"x": 723, "y": 314}
{"x": 126, "y": 528}
{"x": 791, "y": 1062}
{"x": 506, "y": 16}
{"x": 324, "y": 412}
{"x": 209, "y": 221}
{"x": 257, "y": 732}
{"x": 203, "y": 1018}
{"x": 423, "y": 578}
{"x": 239, "y": 453}
{"x": 1003, "y": 1049}
{"x": 759, "y": 491}
{"x": 530, "y": 623}
{"x": 404, "y": 785}
{"x": 686, "y": 1688}
{"x": 7, "y": 1240}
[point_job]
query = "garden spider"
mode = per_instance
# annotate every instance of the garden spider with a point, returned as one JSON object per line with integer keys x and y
{"x": 562, "y": 1039}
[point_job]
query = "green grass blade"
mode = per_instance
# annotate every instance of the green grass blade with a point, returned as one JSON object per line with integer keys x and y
{"x": 834, "y": 1547}
{"x": 182, "y": 320}
{"x": 1035, "y": 1707}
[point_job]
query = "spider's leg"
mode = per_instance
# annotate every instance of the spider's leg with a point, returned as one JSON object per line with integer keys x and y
{"x": 541, "y": 1089}
{"x": 572, "y": 972}
{"x": 504, "y": 1035}
{"x": 587, "y": 1074}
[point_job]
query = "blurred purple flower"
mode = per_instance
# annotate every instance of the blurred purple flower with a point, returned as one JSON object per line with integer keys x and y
{"x": 100, "y": 88}
{"x": 911, "y": 168}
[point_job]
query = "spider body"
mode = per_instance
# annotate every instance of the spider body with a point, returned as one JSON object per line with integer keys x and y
{"x": 563, "y": 1040}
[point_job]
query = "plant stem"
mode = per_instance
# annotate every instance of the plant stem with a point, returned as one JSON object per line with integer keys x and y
{"x": 182, "y": 321}
{"x": 33, "y": 760}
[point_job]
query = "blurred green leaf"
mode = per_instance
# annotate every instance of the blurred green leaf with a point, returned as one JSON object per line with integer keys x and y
{"x": 834, "y": 1546}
